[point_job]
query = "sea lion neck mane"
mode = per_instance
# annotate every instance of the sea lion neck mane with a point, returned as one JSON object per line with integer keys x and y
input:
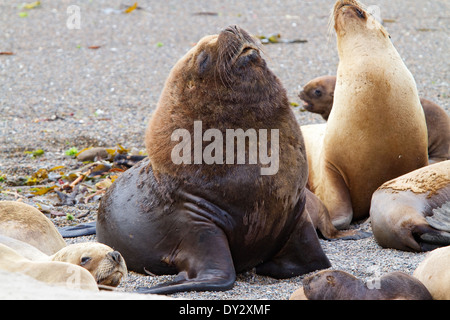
{"x": 225, "y": 83}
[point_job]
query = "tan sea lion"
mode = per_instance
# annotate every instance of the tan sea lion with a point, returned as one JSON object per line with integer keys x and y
{"x": 51, "y": 272}
{"x": 318, "y": 96}
{"x": 412, "y": 212}
{"x": 23, "y": 227}
{"x": 340, "y": 285}
{"x": 207, "y": 220}
{"x": 26, "y": 223}
{"x": 434, "y": 273}
{"x": 376, "y": 130}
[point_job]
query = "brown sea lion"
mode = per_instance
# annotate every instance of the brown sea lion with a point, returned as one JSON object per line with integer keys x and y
{"x": 340, "y": 285}
{"x": 412, "y": 212}
{"x": 318, "y": 96}
{"x": 434, "y": 273}
{"x": 376, "y": 130}
{"x": 210, "y": 219}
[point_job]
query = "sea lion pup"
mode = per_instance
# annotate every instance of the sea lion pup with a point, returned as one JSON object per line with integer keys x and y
{"x": 51, "y": 272}
{"x": 340, "y": 285}
{"x": 434, "y": 273}
{"x": 412, "y": 212}
{"x": 318, "y": 97}
{"x": 210, "y": 219}
{"x": 376, "y": 130}
{"x": 31, "y": 234}
{"x": 106, "y": 266}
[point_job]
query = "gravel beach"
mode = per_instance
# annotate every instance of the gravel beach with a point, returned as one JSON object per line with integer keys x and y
{"x": 64, "y": 87}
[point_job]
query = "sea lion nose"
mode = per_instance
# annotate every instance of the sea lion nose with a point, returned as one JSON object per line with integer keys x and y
{"x": 234, "y": 29}
{"x": 115, "y": 256}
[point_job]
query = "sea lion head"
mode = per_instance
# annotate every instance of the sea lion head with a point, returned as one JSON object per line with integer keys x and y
{"x": 222, "y": 81}
{"x": 222, "y": 66}
{"x": 106, "y": 265}
{"x": 318, "y": 95}
{"x": 351, "y": 21}
{"x": 331, "y": 285}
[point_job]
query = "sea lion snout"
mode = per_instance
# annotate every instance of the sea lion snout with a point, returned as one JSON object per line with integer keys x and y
{"x": 115, "y": 256}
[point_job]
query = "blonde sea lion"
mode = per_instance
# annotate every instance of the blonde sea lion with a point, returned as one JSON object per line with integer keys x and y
{"x": 412, "y": 212}
{"x": 51, "y": 272}
{"x": 23, "y": 227}
{"x": 318, "y": 96}
{"x": 26, "y": 223}
{"x": 340, "y": 285}
{"x": 376, "y": 130}
{"x": 207, "y": 221}
{"x": 434, "y": 273}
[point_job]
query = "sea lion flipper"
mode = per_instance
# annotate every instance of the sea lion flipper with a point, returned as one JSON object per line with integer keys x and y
{"x": 441, "y": 218}
{"x": 206, "y": 267}
{"x": 84, "y": 229}
{"x": 208, "y": 282}
{"x": 202, "y": 256}
{"x": 301, "y": 254}
{"x": 335, "y": 195}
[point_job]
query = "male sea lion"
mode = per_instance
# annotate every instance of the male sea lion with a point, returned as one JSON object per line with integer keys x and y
{"x": 376, "y": 130}
{"x": 52, "y": 272}
{"x": 412, "y": 212}
{"x": 318, "y": 96}
{"x": 208, "y": 221}
{"x": 434, "y": 273}
{"x": 340, "y": 285}
{"x": 26, "y": 230}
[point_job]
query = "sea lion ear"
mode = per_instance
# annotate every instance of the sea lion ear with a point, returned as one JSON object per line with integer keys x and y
{"x": 203, "y": 61}
{"x": 332, "y": 94}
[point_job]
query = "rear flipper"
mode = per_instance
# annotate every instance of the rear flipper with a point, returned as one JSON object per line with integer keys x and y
{"x": 440, "y": 219}
{"x": 438, "y": 233}
{"x": 80, "y": 230}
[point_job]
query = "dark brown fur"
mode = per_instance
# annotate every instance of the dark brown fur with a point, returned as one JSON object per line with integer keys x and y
{"x": 208, "y": 222}
{"x": 339, "y": 285}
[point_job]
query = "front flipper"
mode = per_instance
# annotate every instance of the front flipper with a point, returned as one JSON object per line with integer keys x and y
{"x": 334, "y": 193}
{"x": 301, "y": 254}
{"x": 320, "y": 218}
{"x": 202, "y": 256}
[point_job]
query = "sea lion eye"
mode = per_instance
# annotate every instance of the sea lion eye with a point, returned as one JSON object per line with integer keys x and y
{"x": 360, "y": 13}
{"x": 85, "y": 260}
{"x": 317, "y": 93}
{"x": 203, "y": 61}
